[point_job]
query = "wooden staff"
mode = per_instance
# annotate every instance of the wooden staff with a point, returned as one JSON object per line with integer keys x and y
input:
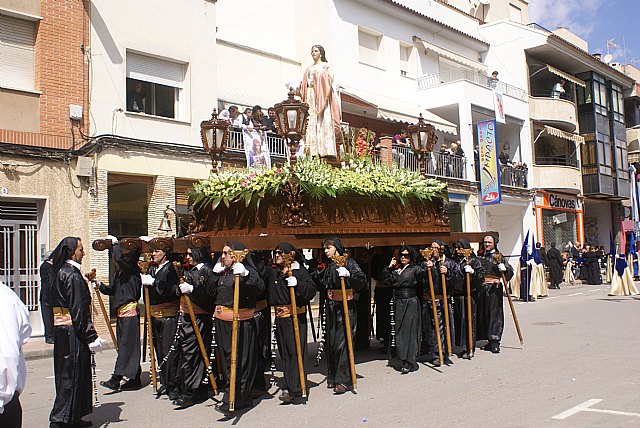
{"x": 426, "y": 254}
{"x": 288, "y": 260}
{"x": 238, "y": 257}
{"x": 91, "y": 276}
{"x": 498, "y": 258}
{"x": 466, "y": 253}
{"x": 339, "y": 261}
{"x": 196, "y": 329}
{"x": 447, "y": 327}
{"x": 144, "y": 266}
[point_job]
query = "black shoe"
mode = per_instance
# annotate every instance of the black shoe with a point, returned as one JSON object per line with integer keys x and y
{"x": 113, "y": 383}
{"x": 223, "y": 408}
{"x": 447, "y": 361}
{"x": 49, "y": 340}
{"x": 405, "y": 369}
{"x": 82, "y": 423}
{"x": 487, "y": 347}
{"x": 285, "y": 397}
{"x": 298, "y": 400}
{"x": 435, "y": 362}
{"x": 340, "y": 389}
{"x": 173, "y": 394}
{"x": 331, "y": 385}
{"x": 495, "y": 347}
{"x": 162, "y": 390}
{"x": 132, "y": 384}
{"x": 183, "y": 403}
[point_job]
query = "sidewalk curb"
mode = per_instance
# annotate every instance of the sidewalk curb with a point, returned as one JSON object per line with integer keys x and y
{"x": 47, "y": 352}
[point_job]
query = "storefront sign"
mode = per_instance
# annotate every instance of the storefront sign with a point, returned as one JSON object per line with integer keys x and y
{"x": 563, "y": 202}
{"x": 489, "y": 171}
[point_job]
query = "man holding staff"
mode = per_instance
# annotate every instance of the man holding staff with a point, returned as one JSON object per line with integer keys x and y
{"x": 441, "y": 267}
{"x": 164, "y": 299}
{"x": 125, "y": 293}
{"x": 199, "y": 284}
{"x": 490, "y": 307}
{"x": 231, "y": 273}
{"x": 340, "y": 376}
{"x": 279, "y": 280}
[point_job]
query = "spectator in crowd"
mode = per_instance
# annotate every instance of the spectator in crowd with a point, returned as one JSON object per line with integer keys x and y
{"x": 45, "y": 287}
{"x": 493, "y": 80}
{"x": 504, "y": 159}
{"x": 135, "y": 98}
{"x": 397, "y": 154}
{"x": 229, "y": 114}
{"x": 558, "y": 89}
{"x": 456, "y": 164}
{"x": 443, "y": 166}
{"x": 269, "y": 122}
{"x": 257, "y": 117}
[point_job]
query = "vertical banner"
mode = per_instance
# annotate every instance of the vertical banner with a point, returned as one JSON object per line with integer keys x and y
{"x": 498, "y": 106}
{"x": 489, "y": 168}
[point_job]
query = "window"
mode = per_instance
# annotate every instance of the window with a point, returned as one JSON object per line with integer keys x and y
{"x": 617, "y": 103}
{"x": 370, "y": 47}
{"x": 600, "y": 95}
{"x": 407, "y": 61}
{"x": 17, "y": 53}
{"x": 515, "y": 13}
{"x": 154, "y": 86}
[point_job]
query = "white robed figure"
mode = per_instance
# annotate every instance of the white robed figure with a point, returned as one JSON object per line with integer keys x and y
{"x": 622, "y": 280}
{"x": 318, "y": 89}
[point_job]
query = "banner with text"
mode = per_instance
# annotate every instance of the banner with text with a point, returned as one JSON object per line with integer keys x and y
{"x": 489, "y": 166}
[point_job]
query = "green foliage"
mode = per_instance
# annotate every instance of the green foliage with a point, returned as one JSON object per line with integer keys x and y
{"x": 358, "y": 176}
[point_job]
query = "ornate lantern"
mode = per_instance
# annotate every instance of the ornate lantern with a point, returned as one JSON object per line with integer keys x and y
{"x": 423, "y": 138}
{"x": 291, "y": 119}
{"x": 214, "y": 133}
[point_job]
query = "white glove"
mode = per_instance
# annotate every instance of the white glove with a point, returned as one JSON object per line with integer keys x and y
{"x": 147, "y": 279}
{"x": 617, "y": 256}
{"x": 97, "y": 345}
{"x": 344, "y": 272}
{"x": 292, "y": 281}
{"x": 95, "y": 285}
{"x": 186, "y": 288}
{"x": 144, "y": 238}
{"x": 531, "y": 262}
{"x": 218, "y": 268}
{"x": 502, "y": 267}
{"x": 468, "y": 269}
{"x": 113, "y": 239}
{"x": 295, "y": 265}
{"x": 239, "y": 269}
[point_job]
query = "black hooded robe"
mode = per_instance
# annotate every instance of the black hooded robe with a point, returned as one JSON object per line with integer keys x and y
{"x": 125, "y": 288}
{"x": 490, "y": 300}
{"x": 71, "y": 354}
{"x": 460, "y": 314}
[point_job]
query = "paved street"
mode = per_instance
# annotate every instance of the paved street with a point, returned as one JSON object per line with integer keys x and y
{"x": 580, "y": 345}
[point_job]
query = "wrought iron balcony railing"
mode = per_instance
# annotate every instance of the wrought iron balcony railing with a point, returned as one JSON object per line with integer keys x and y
{"x": 456, "y": 74}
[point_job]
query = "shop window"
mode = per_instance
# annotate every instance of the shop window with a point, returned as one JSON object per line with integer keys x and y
{"x": 559, "y": 227}
{"x": 155, "y": 86}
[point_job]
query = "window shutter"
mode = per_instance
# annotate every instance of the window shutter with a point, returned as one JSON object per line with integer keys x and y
{"x": 17, "y": 53}
{"x": 155, "y": 70}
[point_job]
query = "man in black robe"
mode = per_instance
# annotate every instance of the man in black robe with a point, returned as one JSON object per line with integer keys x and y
{"x": 125, "y": 293}
{"x": 554, "y": 259}
{"x": 439, "y": 266}
{"x": 74, "y": 337}
{"x": 278, "y": 282}
{"x": 592, "y": 268}
{"x": 45, "y": 287}
{"x": 199, "y": 284}
{"x": 262, "y": 317}
{"x": 490, "y": 307}
{"x": 542, "y": 253}
{"x": 251, "y": 286}
{"x": 164, "y": 301}
{"x": 339, "y": 376}
{"x": 473, "y": 268}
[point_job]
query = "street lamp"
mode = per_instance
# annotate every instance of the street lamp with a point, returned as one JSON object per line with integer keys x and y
{"x": 423, "y": 138}
{"x": 214, "y": 133}
{"x": 291, "y": 119}
{"x": 165, "y": 224}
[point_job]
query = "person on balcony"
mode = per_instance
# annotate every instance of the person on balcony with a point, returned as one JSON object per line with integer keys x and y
{"x": 229, "y": 114}
{"x": 318, "y": 89}
{"x": 456, "y": 163}
{"x": 493, "y": 80}
{"x": 399, "y": 140}
{"x": 558, "y": 90}
{"x": 269, "y": 122}
{"x": 443, "y": 164}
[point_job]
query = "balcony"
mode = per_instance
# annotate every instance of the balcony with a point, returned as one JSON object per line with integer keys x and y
{"x": 438, "y": 164}
{"x": 277, "y": 148}
{"x": 513, "y": 176}
{"x": 462, "y": 74}
{"x": 556, "y": 174}
{"x": 556, "y": 112}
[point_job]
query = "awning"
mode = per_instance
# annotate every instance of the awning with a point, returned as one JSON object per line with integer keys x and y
{"x": 451, "y": 55}
{"x": 241, "y": 99}
{"x": 578, "y": 139}
{"x": 565, "y": 76}
{"x": 400, "y": 111}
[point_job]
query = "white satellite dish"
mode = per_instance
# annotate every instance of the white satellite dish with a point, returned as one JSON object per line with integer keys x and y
{"x": 607, "y": 58}
{"x": 485, "y": 1}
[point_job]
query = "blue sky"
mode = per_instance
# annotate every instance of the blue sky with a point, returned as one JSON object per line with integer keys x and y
{"x": 595, "y": 21}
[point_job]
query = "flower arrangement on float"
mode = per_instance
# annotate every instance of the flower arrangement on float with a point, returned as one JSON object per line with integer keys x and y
{"x": 359, "y": 176}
